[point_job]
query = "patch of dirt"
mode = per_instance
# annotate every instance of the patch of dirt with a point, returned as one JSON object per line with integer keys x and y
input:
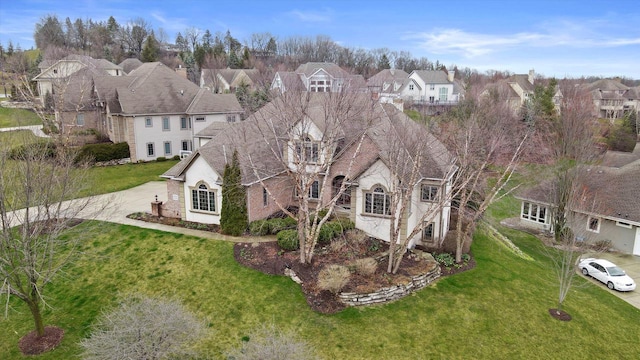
{"x": 32, "y": 344}
{"x": 560, "y": 314}
{"x": 270, "y": 259}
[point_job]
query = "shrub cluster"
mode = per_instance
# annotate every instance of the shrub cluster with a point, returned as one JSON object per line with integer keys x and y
{"x": 42, "y": 147}
{"x": 288, "y": 240}
{"x": 104, "y": 152}
{"x": 271, "y": 226}
{"x": 333, "y": 278}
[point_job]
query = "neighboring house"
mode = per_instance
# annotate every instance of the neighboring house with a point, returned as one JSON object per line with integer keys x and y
{"x": 523, "y": 85}
{"x": 430, "y": 87}
{"x": 222, "y": 81}
{"x": 53, "y": 74}
{"x": 612, "y": 99}
{"x": 158, "y": 112}
{"x": 388, "y": 83}
{"x": 194, "y": 185}
{"x": 318, "y": 77}
{"x": 612, "y": 191}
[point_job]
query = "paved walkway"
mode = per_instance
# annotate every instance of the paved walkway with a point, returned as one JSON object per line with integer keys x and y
{"x": 114, "y": 207}
{"x": 36, "y": 129}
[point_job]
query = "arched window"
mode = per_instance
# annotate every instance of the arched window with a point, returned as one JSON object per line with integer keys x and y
{"x": 203, "y": 199}
{"x": 377, "y": 201}
{"x": 307, "y": 150}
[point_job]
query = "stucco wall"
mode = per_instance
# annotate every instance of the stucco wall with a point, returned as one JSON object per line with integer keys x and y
{"x": 200, "y": 171}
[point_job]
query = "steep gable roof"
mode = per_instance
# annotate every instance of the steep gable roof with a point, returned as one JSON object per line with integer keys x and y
{"x": 247, "y": 138}
{"x": 432, "y": 76}
{"x": 522, "y": 80}
{"x": 311, "y": 68}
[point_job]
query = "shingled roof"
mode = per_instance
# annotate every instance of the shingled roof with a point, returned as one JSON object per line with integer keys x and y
{"x": 615, "y": 188}
{"x": 153, "y": 88}
{"x": 389, "y": 126}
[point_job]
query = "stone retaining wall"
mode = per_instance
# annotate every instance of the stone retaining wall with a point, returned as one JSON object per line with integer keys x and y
{"x": 391, "y": 293}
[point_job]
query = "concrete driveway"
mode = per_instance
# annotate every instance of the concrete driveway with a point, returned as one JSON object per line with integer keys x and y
{"x": 631, "y": 265}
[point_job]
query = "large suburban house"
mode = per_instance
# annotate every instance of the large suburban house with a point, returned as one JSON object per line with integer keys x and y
{"x": 66, "y": 86}
{"x": 318, "y": 77}
{"x": 609, "y": 208}
{"x": 387, "y": 85}
{"x": 362, "y": 163}
{"x": 158, "y": 112}
{"x": 612, "y": 99}
{"x": 220, "y": 81}
{"x": 431, "y": 87}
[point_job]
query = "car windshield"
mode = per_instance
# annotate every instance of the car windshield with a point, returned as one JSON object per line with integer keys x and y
{"x": 615, "y": 271}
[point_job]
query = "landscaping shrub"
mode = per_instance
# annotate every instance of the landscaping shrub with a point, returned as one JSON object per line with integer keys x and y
{"x": 326, "y": 234}
{"x": 355, "y": 236}
{"x": 277, "y": 225}
{"x": 345, "y": 223}
{"x": 20, "y": 152}
{"x": 233, "y": 219}
{"x": 259, "y": 228}
{"x": 366, "y": 266}
{"x": 103, "y": 152}
{"x": 333, "y": 278}
{"x": 288, "y": 240}
{"x": 161, "y": 159}
{"x": 601, "y": 245}
{"x": 445, "y": 259}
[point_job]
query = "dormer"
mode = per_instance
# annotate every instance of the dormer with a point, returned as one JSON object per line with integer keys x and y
{"x": 305, "y": 146}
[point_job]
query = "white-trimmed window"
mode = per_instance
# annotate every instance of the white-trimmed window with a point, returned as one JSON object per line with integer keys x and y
{"x": 443, "y": 94}
{"x": 167, "y": 147}
{"x": 308, "y": 150}
{"x": 593, "y": 224}
{"x": 314, "y": 191}
{"x": 203, "y": 198}
{"x": 377, "y": 201}
{"x": 534, "y": 212}
{"x": 185, "y": 123}
{"x": 186, "y": 145}
{"x": 148, "y": 122}
{"x": 427, "y": 232}
{"x": 165, "y": 124}
{"x": 429, "y": 193}
{"x": 432, "y": 86}
{"x": 151, "y": 149}
{"x": 80, "y": 119}
{"x": 624, "y": 224}
{"x": 320, "y": 86}
{"x": 411, "y": 87}
{"x": 231, "y": 118}
{"x": 200, "y": 119}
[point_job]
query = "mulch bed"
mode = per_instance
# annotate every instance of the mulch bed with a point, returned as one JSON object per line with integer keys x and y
{"x": 560, "y": 314}
{"x": 268, "y": 258}
{"x": 32, "y": 344}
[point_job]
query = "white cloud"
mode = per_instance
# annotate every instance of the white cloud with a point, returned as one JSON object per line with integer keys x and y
{"x": 311, "y": 16}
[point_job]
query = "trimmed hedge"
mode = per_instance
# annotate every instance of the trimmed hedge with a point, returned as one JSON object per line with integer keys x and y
{"x": 259, "y": 228}
{"x": 104, "y": 152}
{"x": 288, "y": 240}
{"x": 276, "y": 225}
{"x": 22, "y": 151}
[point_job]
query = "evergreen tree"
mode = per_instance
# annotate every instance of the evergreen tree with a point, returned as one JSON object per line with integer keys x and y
{"x": 233, "y": 219}
{"x": 383, "y": 63}
{"x": 151, "y": 50}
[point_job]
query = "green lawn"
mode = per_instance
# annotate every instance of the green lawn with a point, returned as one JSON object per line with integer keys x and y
{"x": 18, "y": 117}
{"x": 122, "y": 177}
{"x": 499, "y": 310}
{"x": 16, "y": 138}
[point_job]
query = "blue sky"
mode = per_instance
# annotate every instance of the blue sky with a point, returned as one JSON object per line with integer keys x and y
{"x": 554, "y": 37}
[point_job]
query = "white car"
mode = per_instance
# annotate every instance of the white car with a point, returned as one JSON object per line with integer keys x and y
{"x": 608, "y": 273}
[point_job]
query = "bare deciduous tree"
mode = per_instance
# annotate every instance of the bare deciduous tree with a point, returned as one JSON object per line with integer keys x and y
{"x": 36, "y": 185}
{"x": 144, "y": 328}
{"x": 270, "y": 343}
{"x": 483, "y": 134}
{"x": 299, "y": 138}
